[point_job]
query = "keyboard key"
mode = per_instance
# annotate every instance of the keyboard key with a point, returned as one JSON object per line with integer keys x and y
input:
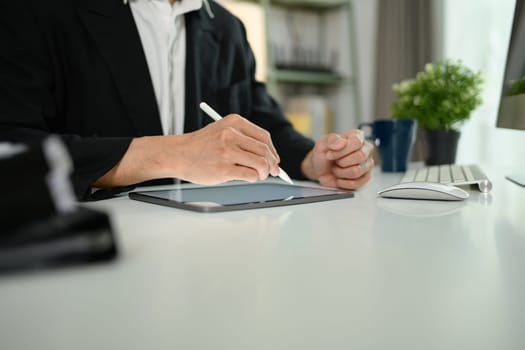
{"x": 457, "y": 174}
{"x": 409, "y": 176}
{"x": 433, "y": 174}
{"x": 444, "y": 174}
{"x": 450, "y": 175}
{"x": 421, "y": 175}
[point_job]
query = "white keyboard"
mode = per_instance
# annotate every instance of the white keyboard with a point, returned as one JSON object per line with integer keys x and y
{"x": 452, "y": 174}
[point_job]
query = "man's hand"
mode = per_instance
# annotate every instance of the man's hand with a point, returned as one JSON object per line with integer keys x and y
{"x": 343, "y": 161}
{"x": 229, "y": 149}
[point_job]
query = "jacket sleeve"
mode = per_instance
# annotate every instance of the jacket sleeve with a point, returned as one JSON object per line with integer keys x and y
{"x": 262, "y": 109}
{"x": 29, "y": 98}
{"x": 291, "y": 146}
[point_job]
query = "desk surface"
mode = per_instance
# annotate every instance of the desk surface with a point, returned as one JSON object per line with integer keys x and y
{"x": 361, "y": 273}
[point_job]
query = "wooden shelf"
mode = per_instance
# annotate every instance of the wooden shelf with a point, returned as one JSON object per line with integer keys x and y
{"x": 293, "y": 76}
{"x": 306, "y": 4}
{"x": 311, "y": 4}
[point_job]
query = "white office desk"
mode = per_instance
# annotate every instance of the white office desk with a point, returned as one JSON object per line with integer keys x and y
{"x": 361, "y": 273}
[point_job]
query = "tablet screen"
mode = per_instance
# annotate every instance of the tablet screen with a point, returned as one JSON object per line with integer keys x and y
{"x": 243, "y": 196}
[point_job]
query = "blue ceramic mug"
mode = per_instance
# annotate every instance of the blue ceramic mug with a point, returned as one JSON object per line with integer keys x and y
{"x": 395, "y": 139}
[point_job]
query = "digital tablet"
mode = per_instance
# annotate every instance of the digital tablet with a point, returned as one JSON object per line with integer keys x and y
{"x": 239, "y": 196}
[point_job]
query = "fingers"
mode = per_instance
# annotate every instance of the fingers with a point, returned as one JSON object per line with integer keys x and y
{"x": 353, "y": 184}
{"x": 254, "y": 154}
{"x": 342, "y": 160}
{"x": 354, "y": 140}
{"x": 243, "y": 173}
{"x": 260, "y": 165}
{"x": 354, "y": 171}
{"x": 358, "y": 157}
{"x": 251, "y": 130}
{"x": 241, "y": 145}
{"x": 350, "y": 178}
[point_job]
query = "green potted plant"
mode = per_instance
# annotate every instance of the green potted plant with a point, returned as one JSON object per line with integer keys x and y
{"x": 440, "y": 98}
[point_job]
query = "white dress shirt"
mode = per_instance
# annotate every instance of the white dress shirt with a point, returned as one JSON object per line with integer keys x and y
{"x": 162, "y": 31}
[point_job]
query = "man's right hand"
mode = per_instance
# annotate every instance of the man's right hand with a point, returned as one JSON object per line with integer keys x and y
{"x": 229, "y": 149}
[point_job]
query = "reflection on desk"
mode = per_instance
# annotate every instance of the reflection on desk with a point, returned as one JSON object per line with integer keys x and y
{"x": 418, "y": 208}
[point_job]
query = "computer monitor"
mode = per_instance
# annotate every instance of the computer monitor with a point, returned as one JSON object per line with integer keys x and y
{"x": 511, "y": 112}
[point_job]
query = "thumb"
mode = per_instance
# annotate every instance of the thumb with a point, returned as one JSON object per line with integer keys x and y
{"x": 321, "y": 145}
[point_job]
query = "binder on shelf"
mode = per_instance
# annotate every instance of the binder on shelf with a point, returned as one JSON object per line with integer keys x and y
{"x": 298, "y": 40}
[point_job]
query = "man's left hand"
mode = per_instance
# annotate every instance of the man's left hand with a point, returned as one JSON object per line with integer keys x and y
{"x": 343, "y": 161}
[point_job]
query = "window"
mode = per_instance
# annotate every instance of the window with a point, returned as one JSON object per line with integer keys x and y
{"x": 477, "y": 32}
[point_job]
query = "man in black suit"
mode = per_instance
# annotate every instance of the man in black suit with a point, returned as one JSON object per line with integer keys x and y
{"x": 82, "y": 69}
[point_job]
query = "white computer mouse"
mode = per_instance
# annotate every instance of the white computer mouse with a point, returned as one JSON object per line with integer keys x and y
{"x": 424, "y": 190}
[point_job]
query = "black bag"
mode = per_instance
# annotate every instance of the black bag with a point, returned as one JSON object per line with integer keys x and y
{"x": 40, "y": 223}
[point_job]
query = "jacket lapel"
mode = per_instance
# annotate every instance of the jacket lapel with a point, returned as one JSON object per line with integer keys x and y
{"x": 202, "y": 57}
{"x": 111, "y": 24}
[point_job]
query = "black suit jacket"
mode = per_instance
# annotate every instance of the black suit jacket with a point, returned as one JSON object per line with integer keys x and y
{"x": 77, "y": 68}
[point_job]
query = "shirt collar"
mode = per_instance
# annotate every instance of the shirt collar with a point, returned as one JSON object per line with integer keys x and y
{"x": 185, "y": 6}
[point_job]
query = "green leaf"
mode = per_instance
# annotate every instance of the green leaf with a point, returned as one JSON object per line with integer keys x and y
{"x": 442, "y": 96}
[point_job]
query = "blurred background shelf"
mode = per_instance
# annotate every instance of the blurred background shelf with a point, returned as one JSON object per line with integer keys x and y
{"x": 307, "y": 77}
{"x": 306, "y": 50}
{"x": 307, "y": 4}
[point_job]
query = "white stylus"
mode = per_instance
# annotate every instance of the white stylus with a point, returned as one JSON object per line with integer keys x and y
{"x": 216, "y": 116}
